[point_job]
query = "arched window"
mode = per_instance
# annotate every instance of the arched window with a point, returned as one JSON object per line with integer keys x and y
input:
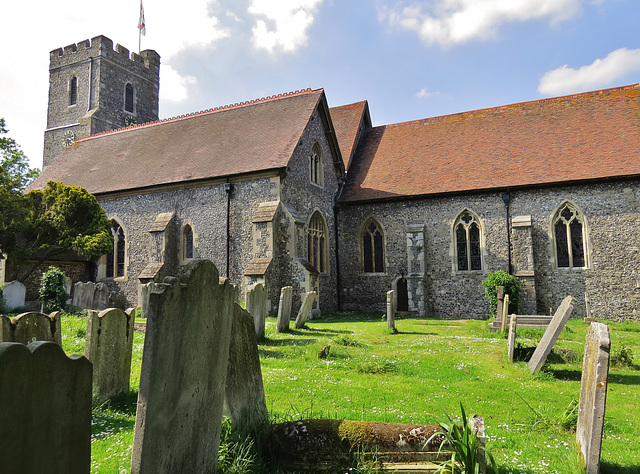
{"x": 569, "y": 232}
{"x": 468, "y": 244}
{"x": 128, "y": 98}
{"x": 73, "y": 91}
{"x": 187, "y": 242}
{"x": 317, "y": 242}
{"x": 116, "y": 258}
{"x": 316, "y": 170}
{"x": 372, "y": 247}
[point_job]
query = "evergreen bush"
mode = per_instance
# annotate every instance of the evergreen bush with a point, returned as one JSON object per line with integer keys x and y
{"x": 52, "y": 290}
{"x": 512, "y": 287}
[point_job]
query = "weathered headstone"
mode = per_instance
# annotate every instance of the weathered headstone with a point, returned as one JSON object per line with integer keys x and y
{"x": 100, "y": 296}
{"x": 5, "y": 328}
{"x": 391, "y": 311}
{"x": 45, "y": 420}
{"x": 109, "y": 345}
{"x": 83, "y": 294}
{"x": 244, "y": 394}
{"x": 505, "y": 313}
{"x": 551, "y": 335}
{"x": 305, "y": 309}
{"x": 500, "y": 304}
{"x": 511, "y": 340}
{"x": 593, "y": 397}
{"x": 145, "y": 290}
{"x": 184, "y": 370}
{"x": 14, "y": 293}
{"x": 256, "y": 304}
{"x": 284, "y": 309}
{"x": 31, "y": 327}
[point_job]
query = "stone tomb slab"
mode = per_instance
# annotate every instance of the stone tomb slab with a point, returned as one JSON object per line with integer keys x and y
{"x": 551, "y": 335}
{"x": 284, "y": 309}
{"x": 593, "y": 397}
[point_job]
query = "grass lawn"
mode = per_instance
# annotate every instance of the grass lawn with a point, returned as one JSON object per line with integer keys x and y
{"x": 406, "y": 377}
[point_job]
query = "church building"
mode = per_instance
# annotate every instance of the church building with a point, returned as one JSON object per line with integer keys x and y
{"x": 288, "y": 191}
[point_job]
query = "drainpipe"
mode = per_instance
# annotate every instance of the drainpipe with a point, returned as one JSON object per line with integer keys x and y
{"x": 228, "y": 189}
{"x": 338, "y": 285}
{"x": 506, "y": 198}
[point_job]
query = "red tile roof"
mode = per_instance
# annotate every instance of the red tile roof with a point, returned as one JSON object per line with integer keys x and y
{"x": 346, "y": 121}
{"x": 242, "y": 138}
{"x": 586, "y": 136}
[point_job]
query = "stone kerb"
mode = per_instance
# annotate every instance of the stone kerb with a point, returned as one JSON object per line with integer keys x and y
{"x": 14, "y": 293}
{"x": 305, "y": 309}
{"x": 511, "y": 340}
{"x": 244, "y": 393}
{"x": 551, "y": 335}
{"x": 593, "y": 397}
{"x": 284, "y": 309}
{"x": 45, "y": 421}
{"x": 183, "y": 376}
{"x": 33, "y": 326}
{"x": 109, "y": 346}
{"x": 391, "y": 311}
{"x": 256, "y": 304}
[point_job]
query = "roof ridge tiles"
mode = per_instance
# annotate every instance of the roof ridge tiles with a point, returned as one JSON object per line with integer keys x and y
{"x": 220, "y": 108}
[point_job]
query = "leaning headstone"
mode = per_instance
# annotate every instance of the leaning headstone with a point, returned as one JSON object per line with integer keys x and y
{"x": 45, "y": 421}
{"x": 109, "y": 345}
{"x": 391, "y": 311}
{"x": 256, "y": 304}
{"x": 593, "y": 397}
{"x": 511, "y": 340}
{"x": 244, "y": 393}
{"x": 284, "y": 309}
{"x": 14, "y": 293}
{"x": 305, "y": 309}
{"x": 505, "y": 314}
{"x": 551, "y": 335}
{"x": 184, "y": 370}
{"x": 31, "y": 327}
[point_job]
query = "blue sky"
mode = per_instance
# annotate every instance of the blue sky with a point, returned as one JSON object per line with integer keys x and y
{"x": 410, "y": 60}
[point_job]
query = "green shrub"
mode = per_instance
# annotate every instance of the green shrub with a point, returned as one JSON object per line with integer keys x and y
{"x": 622, "y": 357}
{"x": 52, "y": 290}
{"x": 512, "y": 287}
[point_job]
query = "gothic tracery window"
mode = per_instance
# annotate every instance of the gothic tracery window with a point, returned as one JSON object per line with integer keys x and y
{"x": 317, "y": 242}
{"x": 116, "y": 257}
{"x": 372, "y": 247}
{"x": 568, "y": 227}
{"x": 468, "y": 242}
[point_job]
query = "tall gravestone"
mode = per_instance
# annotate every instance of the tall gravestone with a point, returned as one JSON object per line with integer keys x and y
{"x": 551, "y": 335}
{"x": 244, "y": 393}
{"x": 256, "y": 304}
{"x": 14, "y": 293}
{"x": 109, "y": 346}
{"x": 593, "y": 397}
{"x": 305, "y": 309}
{"x": 45, "y": 420}
{"x": 505, "y": 313}
{"x": 511, "y": 340}
{"x": 391, "y": 311}
{"x": 499, "y": 304}
{"x": 284, "y": 309}
{"x": 184, "y": 370}
{"x": 33, "y": 326}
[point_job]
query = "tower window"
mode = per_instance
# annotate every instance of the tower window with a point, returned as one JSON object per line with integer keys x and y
{"x": 128, "y": 98}
{"x": 73, "y": 91}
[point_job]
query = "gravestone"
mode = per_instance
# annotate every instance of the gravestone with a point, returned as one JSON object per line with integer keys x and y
{"x": 593, "y": 397}
{"x": 184, "y": 370}
{"x": 505, "y": 313}
{"x": 33, "y": 326}
{"x": 500, "y": 304}
{"x": 5, "y": 328}
{"x": 284, "y": 309}
{"x": 83, "y": 294}
{"x": 14, "y": 293}
{"x": 45, "y": 420}
{"x": 511, "y": 340}
{"x": 109, "y": 345}
{"x": 256, "y": 304}
{"x": 244, "y": 393}
{"x": 100, "y": 296}
{"x": 551, "y": 335}
{"x": 391, "y": 311}
{"x": 305, "y": 309}
{"x": 145, "y": 289}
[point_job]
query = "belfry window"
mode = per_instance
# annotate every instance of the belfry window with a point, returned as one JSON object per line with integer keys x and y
{"x": 116, "y": 258}
{"x": 73, "y": 91}
{"x": 568, "y": 227}
{"x": 128, "y": 98}
{"x": 316, "y": 170}
{"x": 468, "y": 242}
{"x": 317, "y": 242}
{"x": 372, "y": 247}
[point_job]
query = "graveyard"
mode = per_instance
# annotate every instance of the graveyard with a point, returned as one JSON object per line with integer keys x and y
{"x": 373, "y": 375}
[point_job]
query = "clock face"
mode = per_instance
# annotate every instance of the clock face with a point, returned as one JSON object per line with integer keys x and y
{"x": 68, "y": 138}
{"x": 129, "y": 120}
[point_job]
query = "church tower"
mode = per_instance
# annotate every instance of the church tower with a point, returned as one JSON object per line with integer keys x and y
{"x": 94, "y": 88}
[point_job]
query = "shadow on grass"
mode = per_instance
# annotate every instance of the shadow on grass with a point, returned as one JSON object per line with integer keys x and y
{"x": 308, "y": 330}
{"x": 414, "y": 333}
{"x": 288, "y": 342}
{"x": 565, "y": 374}
{"x": 615, "y": 468}
{"x": 270, "y": 354}
{"x": 624, "y": 380}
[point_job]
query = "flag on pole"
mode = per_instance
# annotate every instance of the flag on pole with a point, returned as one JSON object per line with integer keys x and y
{"x": 141, "y": 25}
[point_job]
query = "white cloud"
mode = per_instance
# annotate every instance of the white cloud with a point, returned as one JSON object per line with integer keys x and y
{"x": 424, "y": 93}
{"x": 598, "y": 74}
{"x": 448, "y": 22}
{"x": 282, "y": 25}
{"x": 173, "y": 86}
